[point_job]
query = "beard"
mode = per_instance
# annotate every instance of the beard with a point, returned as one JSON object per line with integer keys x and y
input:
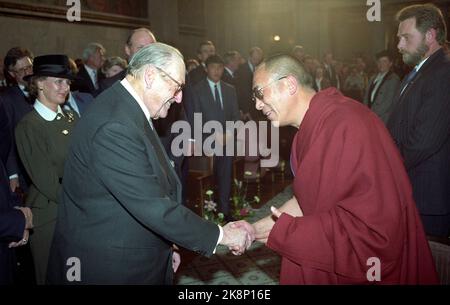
{"x": 413, "y": 59}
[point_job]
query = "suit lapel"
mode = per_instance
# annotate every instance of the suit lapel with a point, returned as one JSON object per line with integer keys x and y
{"x": 168, "y": 172}
{"x": 381, "y": 85}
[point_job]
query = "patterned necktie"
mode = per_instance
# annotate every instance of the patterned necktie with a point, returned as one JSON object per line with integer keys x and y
{"x": 217, "y": 96}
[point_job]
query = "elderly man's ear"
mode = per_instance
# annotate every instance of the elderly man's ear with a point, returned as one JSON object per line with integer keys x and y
{"x": 149, "y": 76}
{"x": 292, "y": 85}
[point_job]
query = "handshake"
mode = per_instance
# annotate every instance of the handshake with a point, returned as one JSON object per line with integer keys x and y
{"x": 238, "y": 236}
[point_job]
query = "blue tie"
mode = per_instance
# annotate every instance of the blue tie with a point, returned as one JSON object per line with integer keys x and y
{"x": 217, "y": 96}
{"x": 408, "y": 79}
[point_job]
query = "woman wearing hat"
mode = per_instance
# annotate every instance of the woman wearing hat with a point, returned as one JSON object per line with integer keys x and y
{"x": 42, "y": 138}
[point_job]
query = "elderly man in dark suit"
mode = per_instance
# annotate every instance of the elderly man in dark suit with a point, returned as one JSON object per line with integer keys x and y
{"x": 14, "y": 223}
{"x": 89, "y": 74}
{"x": 123, "y": 224}
{"x": 382, "y": 88}
{"x": 217, "y": 101}
{"x": 420, "y": 120}
{"x": 137, "y": 39}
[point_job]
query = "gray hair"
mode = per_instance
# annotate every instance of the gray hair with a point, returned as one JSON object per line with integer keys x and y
{"x": 91, "y": 49}
{"x": 157, "y": 54}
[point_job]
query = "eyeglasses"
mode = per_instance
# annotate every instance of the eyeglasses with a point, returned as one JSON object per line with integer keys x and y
{"x": 258, "y": 92}
{"x": 179, "y": 86}
{"x": 24, "y": 70}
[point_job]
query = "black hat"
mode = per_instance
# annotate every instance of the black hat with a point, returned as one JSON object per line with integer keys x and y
{"x": 51, "y": 65}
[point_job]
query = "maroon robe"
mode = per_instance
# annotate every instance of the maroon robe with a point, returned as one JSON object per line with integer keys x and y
{"x": 357, "y": 202}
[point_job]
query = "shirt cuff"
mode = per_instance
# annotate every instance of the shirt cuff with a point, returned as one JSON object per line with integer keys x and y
{"x": 220, "y": 238}
{"x": 15, "y": 176}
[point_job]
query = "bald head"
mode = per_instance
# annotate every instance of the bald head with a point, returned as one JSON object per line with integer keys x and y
{"x": 283, "y": 65}
{"x": 138, "y": 39}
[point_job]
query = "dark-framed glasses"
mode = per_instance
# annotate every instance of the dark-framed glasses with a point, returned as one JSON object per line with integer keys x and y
{"x": 179, "y": 85}
{"x": 258, "y": 92}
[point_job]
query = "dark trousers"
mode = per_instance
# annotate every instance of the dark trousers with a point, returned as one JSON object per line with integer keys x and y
{"x": 436, "y": 225}
{"x": 223, "y": 167}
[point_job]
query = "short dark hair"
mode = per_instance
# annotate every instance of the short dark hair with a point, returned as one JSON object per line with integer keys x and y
{"x": 204, "y": 43}
{"x": 428, "y": 16}
{"x": 385, "y": 53}
{"x": 282, "y": 65}
{"x": 14, "y": 55}
{"x": 229, "y": 56}
{"x": 214, "y": 59}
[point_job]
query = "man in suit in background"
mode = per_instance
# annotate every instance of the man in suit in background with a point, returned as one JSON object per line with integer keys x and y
{"x": 243, "y": 81}
{"x": 89, "y": 75}
{"x": 122, "y": 226}
{"x": 137, "y": 39}
{"x": 17, "y": 102}
{"x": 205, "y": 50}
{"x": 217, "y": 101}
{"x": 420, "y": 119}
{"x": 382, "y": 87}
{"x": 330, "y": 72}
{"x": 14, "y": 223}
{"x": 232, "y": 61}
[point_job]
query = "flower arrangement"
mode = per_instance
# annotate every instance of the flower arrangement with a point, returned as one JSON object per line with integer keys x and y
{"x": 242, "y": 208}
{"x": 210, "y": 210}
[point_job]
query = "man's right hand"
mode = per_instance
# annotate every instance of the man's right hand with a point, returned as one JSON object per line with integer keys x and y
{"x": 28, "y": 217}
{"x": 236, "y": 239}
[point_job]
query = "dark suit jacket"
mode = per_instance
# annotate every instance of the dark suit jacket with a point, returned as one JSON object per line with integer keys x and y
{"x": 12, "y": 221}
{"x": 83, "y": 100}
{"x": 210, "y": 109}
{"x": 16, "y": 107}
{"x": 109, "y": 81}
{"x": 196, "y": 75}
{"x": 226, "y": 77}
{"x": 83, "y": 82}
{"x": 420, "y": 125}
{"x": 384, "y": 97}
{"x": 244, "y": 85}
{"x": 120, "y": 208}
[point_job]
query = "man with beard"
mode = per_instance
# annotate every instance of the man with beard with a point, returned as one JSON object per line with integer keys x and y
{"x": 420, "y": 120}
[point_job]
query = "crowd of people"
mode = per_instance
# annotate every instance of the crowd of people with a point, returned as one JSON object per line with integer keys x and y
{"x": 87, "y": 168}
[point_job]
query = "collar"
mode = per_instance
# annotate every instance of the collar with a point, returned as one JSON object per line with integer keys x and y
{"x": 229, "y": 71}
{"x": 250, "y": 65}
{"x": 421, "y": 64}
{"x": 90, "y": 70}
{"x": 45, "y": 112}
{"x": 126, "y": 84}
{"x": 24, "y": 90}
{"x": 212, "y": 84}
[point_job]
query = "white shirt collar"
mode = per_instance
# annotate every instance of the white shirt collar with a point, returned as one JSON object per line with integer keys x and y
{"x": 250, "y": 65}
{"x": 45, "y": 112}
{"x": 212, "y": 84}
{"x": 24, "y": 90}
{"x": 73, "y": 103}
{"x": 229, "y": 71}
{"x": 126, "y": 84}
{"x": 421, "y": 64}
